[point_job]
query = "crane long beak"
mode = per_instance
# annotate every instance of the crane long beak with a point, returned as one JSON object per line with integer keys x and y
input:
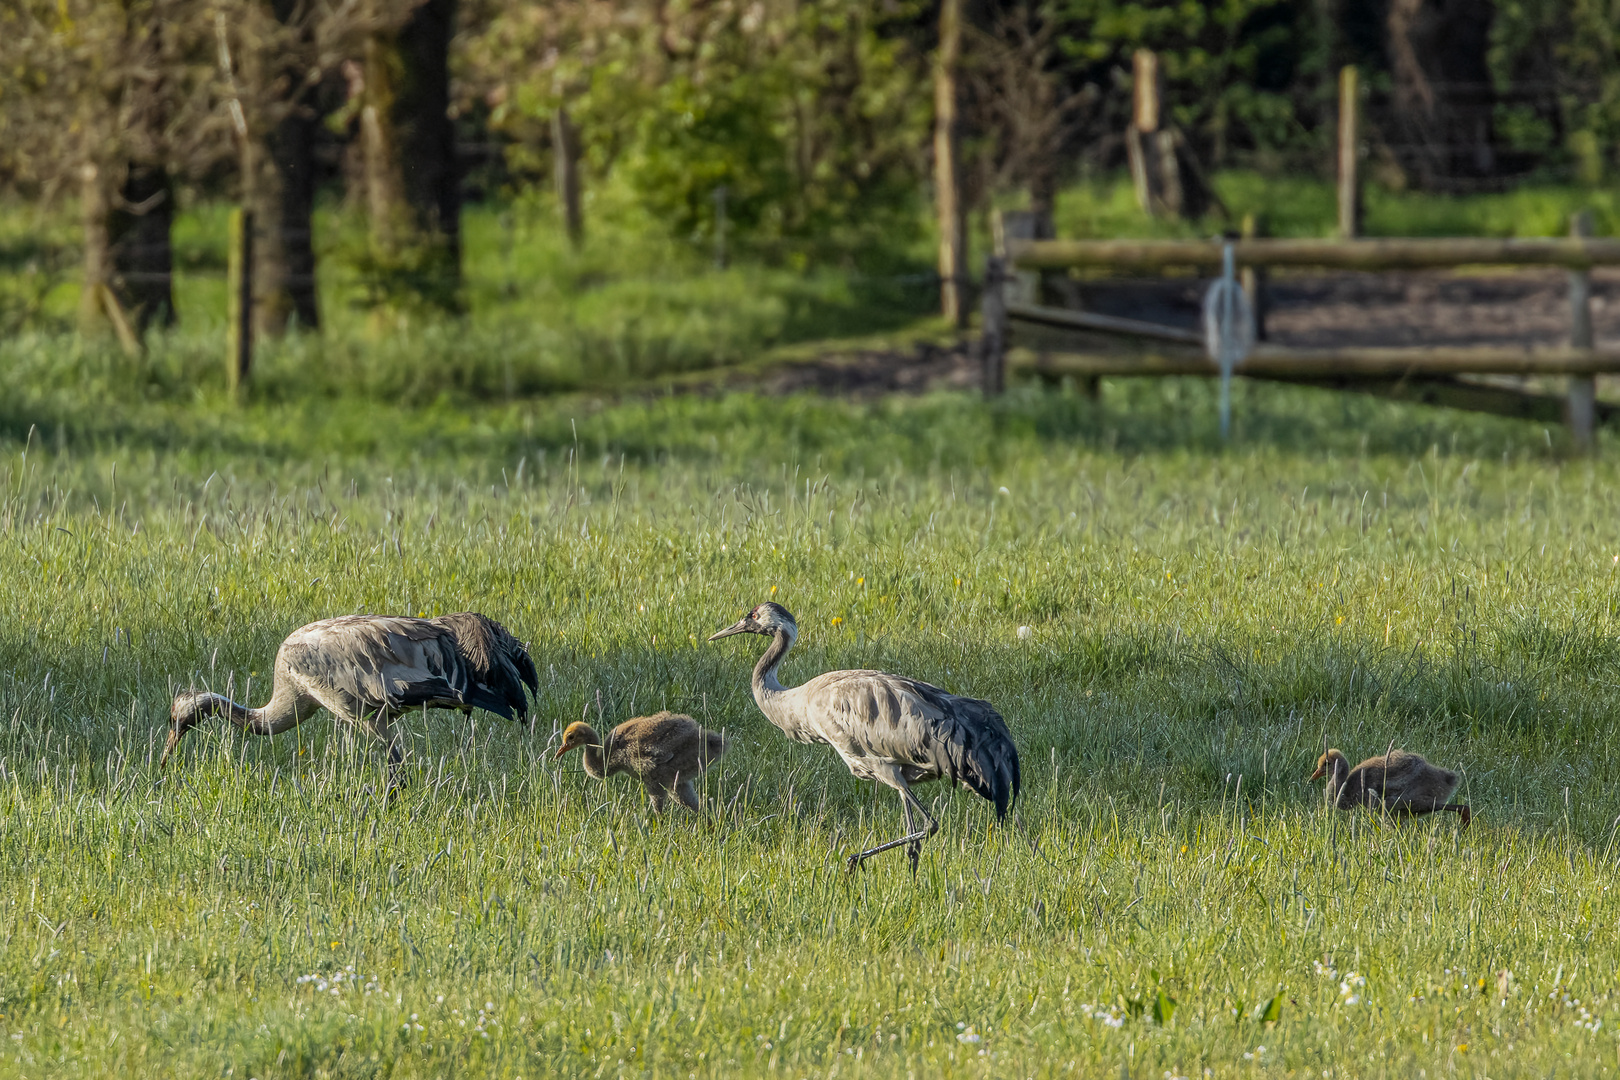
{"x": 741, "y": 626}
{"x": 1317, "y": 775}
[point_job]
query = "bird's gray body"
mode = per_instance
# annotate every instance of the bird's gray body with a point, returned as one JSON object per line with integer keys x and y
{"x": 357, "y": 664}
{"x": 885, "y": 725}
{"x": 368, "y": 669}
{"x": 888, "y": 728}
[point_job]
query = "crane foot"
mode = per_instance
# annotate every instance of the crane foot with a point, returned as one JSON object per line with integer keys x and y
{"x": 912, "y": 841}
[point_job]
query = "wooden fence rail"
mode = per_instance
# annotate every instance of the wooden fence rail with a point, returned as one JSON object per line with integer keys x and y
{"x": 1576, "y": 253}
{"x": 1283, "y": 361}
{"x": 1108, "y": 345}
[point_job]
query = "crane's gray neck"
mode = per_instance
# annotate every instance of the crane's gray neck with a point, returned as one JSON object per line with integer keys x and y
{"x": 243, "y": 716}
{"x": 284, "y": 710}
{"x": 280, "y": 713}
{"x": 766, "y": 683}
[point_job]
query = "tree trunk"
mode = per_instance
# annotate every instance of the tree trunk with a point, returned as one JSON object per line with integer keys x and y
{"x": 283, "y": 209}
{"x": 426, "y": 134}
{"x": 142, "y": 258}
{"x": 385, "y": 202}
{"x": 385, "y": 195}
{"x": 953, "y": 270}
{"x": 413, "y": 185}
{"x": 97, "y": 257}
{"x": 1043, "y": 187}
{"x": 1443, "y": 91}
{"x": 565, "y": 163}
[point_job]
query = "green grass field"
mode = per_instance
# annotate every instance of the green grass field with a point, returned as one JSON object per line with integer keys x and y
{"x": 1171, "y": 900}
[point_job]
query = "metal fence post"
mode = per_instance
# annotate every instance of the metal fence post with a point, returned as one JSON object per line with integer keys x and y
{"x": 1581, "y": 409}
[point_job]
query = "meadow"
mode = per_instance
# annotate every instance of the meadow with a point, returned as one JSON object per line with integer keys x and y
{"x": 1170, "y": 899}
{"x": 1175, "y": 630}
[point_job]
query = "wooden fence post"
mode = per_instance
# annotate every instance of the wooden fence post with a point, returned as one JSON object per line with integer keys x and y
{"x": 1581, "y": 408}
{"x": 239, "y": 301}
{"x": 1143, "y": 146}
{"x": 993, "y": 328}
{"x": 1253, "y": 278}
{"x": 1023, "y": 286}
{"x": 1349, "y": 150}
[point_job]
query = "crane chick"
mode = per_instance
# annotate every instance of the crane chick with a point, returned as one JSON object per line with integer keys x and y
{"x": 1398, "y": 783}
{"x": 665, "y": 751}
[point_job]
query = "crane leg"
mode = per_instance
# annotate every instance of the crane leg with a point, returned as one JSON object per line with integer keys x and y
{"x": 914, "y": 849}
{"x": 380, "y": 727}
{"x": 914, "y": 837}
{"x": 378, "y": 723}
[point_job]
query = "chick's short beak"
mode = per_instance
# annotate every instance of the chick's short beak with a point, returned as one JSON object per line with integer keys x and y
{"x": 741, "y": 626}
{"x": 1317, "y": 775}
{"x": 168, "y": 747}
{"x": 561, "y": 750}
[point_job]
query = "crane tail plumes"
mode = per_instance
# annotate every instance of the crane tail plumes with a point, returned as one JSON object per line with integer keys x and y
{"x": 987, "y": 760}
{"x": 971, "y": 745}
{"x": 498, "y": 667}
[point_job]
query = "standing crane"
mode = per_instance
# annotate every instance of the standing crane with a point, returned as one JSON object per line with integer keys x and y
{"x": 887, "y": 728}
{"x": 368, "y": 669}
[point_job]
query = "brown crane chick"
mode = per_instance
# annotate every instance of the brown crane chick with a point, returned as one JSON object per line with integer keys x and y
{"x": 1397, "y": 783}
{"x": 665, "y": 751}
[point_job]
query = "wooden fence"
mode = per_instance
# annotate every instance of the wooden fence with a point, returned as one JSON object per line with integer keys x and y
{"x": 1099, "y": 345}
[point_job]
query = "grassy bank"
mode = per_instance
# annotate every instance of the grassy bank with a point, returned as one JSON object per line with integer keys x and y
{"x": 1170, "y": 899}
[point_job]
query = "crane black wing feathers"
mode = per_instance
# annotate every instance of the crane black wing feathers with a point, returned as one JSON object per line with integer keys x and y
{"x": 975, "y": 748}
{"x": 498, "y": 666}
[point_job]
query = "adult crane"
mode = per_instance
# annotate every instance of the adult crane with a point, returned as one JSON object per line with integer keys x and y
{"x": 887, "y": 728}
{"x": 368, "y": 669}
